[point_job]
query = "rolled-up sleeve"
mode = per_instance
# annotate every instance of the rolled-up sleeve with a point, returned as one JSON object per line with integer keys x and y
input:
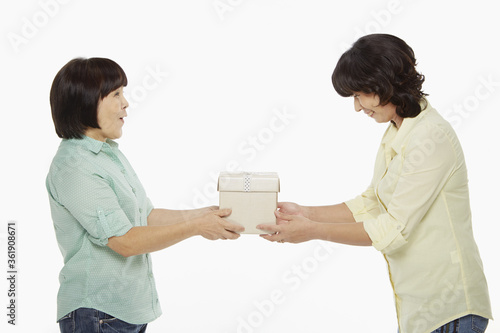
{"x": 385, "y": 232}
{"x": 426, "y": 162}
{"x": 364, "y": 206}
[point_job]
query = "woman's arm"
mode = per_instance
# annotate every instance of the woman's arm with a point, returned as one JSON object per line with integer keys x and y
{"x": 339, "y": 213}
{"x": 160, "y": 216}
{"x": 151, "y": 238}
{"x": 297, "y": 229}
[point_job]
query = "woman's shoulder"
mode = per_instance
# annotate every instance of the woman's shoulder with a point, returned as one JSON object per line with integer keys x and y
{"x": 433, "y": 130}
{"x": 430, "y": 122}
{"x": 74, "y": 156}
{"x": 70, "y": 151}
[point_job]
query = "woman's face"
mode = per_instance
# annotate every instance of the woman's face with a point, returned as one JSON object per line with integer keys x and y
{"x": 370, "y": 104}
{"x": 110, "y": 113}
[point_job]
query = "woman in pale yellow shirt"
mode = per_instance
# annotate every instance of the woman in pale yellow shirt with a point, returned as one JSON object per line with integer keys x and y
{"x": 416, "y": 210}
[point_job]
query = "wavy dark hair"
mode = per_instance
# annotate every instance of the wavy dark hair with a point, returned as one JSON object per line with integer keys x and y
{"x": 76, "y": 91}
{"x": 385, "y": 65}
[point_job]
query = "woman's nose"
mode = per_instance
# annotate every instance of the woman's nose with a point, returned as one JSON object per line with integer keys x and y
{"x": 125, "y": 103}
{"x": 357, "y": 105}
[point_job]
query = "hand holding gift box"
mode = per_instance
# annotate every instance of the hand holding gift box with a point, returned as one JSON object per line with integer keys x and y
{"x": 293, "y": 224}
{"x": 252, "y": 197}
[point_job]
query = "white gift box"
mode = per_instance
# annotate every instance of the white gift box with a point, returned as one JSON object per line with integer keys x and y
{"x": 252, "y": 196}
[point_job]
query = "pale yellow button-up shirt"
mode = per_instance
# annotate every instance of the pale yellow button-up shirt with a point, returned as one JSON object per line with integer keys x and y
{"x": 416, "y": 212}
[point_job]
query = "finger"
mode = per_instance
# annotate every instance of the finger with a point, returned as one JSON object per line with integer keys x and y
{"x": 280, "y": 221}
{"x": 222, "y": 212}
{"x": 230, "y": 235}
{"x": 267, "y": 237}
{"x": 273, "y": 228}
{"x": 284, "y": 205}
{"x": 231, "y": 226}
{"x": 283, "y": 216}
{"x": 272, "y": 237}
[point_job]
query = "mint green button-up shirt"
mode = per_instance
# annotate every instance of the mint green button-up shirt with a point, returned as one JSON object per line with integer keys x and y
{"x": 95, "y": 194}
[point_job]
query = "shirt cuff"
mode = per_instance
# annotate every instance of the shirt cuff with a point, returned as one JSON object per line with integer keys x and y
{"x": 362, "y": 208}
{"x": 109, "y": 225}
{"x": 385, "y": 233}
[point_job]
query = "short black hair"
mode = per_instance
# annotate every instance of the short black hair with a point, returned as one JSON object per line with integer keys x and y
{"x": 385, "y": 65}
{"x": 76, "y": 91}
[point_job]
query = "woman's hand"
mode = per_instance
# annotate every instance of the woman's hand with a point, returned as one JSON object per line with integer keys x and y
{"x": 289, "y": 228}
{"x": 210, "y": 208}
{"x": 212, "y": 226}
{"x": 291, "y": 208}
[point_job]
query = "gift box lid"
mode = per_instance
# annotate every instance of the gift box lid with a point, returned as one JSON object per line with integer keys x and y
{"x": 248, "y": 182}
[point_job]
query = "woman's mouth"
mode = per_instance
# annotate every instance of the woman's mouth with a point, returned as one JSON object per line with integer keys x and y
{"x": 369, "y": 113}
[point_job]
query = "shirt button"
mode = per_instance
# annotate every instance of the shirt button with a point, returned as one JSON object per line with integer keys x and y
{"x": 133, "y": 189}
{"x": 140, "y": 210}
{"x": 122, "y": 170}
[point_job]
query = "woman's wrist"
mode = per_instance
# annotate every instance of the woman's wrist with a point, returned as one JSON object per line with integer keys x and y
{"x": 193, "y": 227}
{"x": 307, "y": 212}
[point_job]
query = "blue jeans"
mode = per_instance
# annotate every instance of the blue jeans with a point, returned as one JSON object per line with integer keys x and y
{"x": 85, "y": 320}
{"x": 467, "y": 324}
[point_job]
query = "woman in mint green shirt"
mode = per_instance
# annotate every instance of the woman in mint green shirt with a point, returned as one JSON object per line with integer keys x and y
{"x": 105, "y": 224}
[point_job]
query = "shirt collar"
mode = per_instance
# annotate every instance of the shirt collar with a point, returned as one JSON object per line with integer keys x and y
{"x": 407, "y": 125}
{"x": 93, "y": 145}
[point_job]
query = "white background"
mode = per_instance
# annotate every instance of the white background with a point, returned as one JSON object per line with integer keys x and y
{"x": 223, "y": 71}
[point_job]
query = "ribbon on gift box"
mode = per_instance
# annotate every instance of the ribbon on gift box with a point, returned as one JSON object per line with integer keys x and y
{"x": 247, "y": 181}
